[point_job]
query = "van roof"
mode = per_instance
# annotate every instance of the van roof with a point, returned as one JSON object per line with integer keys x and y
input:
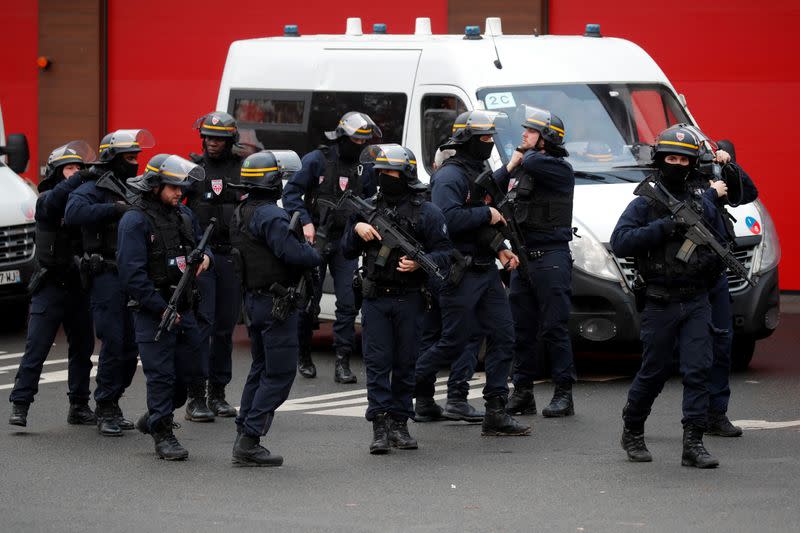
{"x": 289, "y": 62}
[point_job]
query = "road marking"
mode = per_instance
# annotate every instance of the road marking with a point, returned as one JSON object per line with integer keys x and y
{"x": 764, "y": 424}
{"x": 11, "y": 355}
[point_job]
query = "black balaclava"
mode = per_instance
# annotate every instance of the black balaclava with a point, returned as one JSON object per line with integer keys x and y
{"x": 263, "y": 195}
{"x": 673, "y": 176}
{"x": 393, "y": 189}
{"x": 51, "y": 179}
{"x": 348, "y": 150}
{"x": 478, "y": 149}
{"x": 122, "y": 169}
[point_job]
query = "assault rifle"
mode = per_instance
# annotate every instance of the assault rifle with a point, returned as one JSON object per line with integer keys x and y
{"x": 697, "y": 234}
{"x": 287, "y": 298}
{"x": 170, "y": 315}
{"x": 392, "y": 236}
{"x": 504, "y": 203}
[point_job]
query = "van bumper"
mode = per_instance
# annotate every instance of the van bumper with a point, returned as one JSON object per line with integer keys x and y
{"x": 603, "y": 314}
{"x": 756, "y": 310}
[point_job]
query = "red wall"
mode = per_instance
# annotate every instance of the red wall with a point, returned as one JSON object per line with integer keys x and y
{"x": 19, "y": 76}
{"x": 736, "y": 62}
{"x": 166, "y": 58}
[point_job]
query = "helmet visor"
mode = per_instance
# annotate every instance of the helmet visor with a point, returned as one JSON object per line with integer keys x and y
{"x": 73, "y": 152}
{"x": 176, "y": 170}
{"x": 287, "y": 160}
{"x": 133, "y": 139}
{"x": 356, "y": 125}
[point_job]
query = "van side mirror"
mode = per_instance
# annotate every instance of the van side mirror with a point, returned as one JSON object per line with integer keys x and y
{"x": 16, "y": 149}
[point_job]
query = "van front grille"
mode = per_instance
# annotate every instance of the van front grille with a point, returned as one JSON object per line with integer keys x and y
{"x": 16, "y": 243}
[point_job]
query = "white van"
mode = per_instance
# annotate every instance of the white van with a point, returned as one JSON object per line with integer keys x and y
{"x": 611, "y": 95}
{"x": 17, "y": 208}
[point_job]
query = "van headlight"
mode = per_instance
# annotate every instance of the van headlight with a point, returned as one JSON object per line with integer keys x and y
{"x": 592, "y": 257}
{"x": 768, "y": 252}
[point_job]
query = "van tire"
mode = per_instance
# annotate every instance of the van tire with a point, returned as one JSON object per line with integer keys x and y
{"x": 744, "y": 346}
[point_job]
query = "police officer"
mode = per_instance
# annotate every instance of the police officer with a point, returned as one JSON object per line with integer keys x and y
{"x": 96, "y": 206}
{"x": 273, "y": 257}
{"x": 327, "y": 172}
{"x": 220, "y": 287}
{"x": 719, "y": 296}
{"x": 392, "y": 292}
{"x": 157, "y": 243}
{"x": 57, "y": 295}
{"x": 543, "y": 184}
{"x": 480, "y": 298}
{"x": 677, "y": 311}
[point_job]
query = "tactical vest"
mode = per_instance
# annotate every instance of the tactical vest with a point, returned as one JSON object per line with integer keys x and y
{"x": 540, "y": 209}
{"x": 407, "y": 216}
{"x": 55, "y": 248}
{"x": 260, "y": 266}
{"x": 216, "y": 199}
{"x": 171, "y": 242}
{"x": 476, "y": 197}
{"x": 338, "y": 176}
{"x": 102, "y": 238}
{"x": 660, "y": 265}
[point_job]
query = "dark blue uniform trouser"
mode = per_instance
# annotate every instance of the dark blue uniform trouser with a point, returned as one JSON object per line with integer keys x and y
{"x": 219, "y": 310}
{"x": 541, "y": 319}
{"x": 170, "y": 364}
{"x": 344, "y": 332}
{"x": 463, "y": 368}
{"x": 274, "y": 348}
{"x": 114, "y": 327}
{"x": 52, "y": 306}
{"x": 479, "y": 301}
{"x": 722, "y": 322}
{"x": 665, "y": 326}
{"x": 390, "y": 343}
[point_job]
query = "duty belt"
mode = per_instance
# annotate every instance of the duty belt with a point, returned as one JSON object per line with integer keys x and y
{"x": 479, "y": 264}
{"x": 222, "y": 249}
{"x": 383, "y": 290}
{"x": 673, "y": 294}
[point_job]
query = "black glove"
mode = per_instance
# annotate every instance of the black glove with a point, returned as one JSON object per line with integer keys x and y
{"x": 674, "y": 227}
{"x": 195, "y": 258}
{"x": 120, "y": 209}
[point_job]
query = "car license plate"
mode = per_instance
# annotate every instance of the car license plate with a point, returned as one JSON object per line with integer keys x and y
{"x": 8, "y": 277}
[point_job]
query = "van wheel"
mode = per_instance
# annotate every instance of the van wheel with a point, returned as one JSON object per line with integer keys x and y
{"x": 744, "y": 346}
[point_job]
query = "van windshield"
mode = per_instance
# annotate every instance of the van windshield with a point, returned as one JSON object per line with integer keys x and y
{"x": 608, "y": 125}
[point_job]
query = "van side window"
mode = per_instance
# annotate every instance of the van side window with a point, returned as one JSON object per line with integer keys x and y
{"x": 652, "y": 113}
{"x": 298, "y": 120}
{"x": 439, "y": 112}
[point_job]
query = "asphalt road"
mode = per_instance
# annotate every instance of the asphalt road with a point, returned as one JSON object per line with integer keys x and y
{"x": 569, "y": 475}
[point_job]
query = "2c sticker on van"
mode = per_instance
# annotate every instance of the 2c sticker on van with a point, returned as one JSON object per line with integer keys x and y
{"x": 500, "y": 100}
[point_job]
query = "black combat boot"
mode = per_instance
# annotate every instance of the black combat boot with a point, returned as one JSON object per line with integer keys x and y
{"x": 107, "y": 423}
{"x": 561, "y": 404}
{"x": 342, "y": 373}
{"x": 80, "y": 414}
{"x": 399, "y": 437}
{"x": 720, "y": 425}
{"x": 123, "y": 423}
{"x": 460, "y": 409}
{"x": 196, "y": 408}
{"x": 521, "y": 401}
{"x": 427, "y": 410}
{"x": 247, "y": 451}
{"x": 380, "y": 437}
{"x": 217, "y": 403}
{"x": 167, "y": 446}
{"x": 305, "y": 366}
{"x": 694, "y": 453}
{"x": 19, "y": 414}
{"x": 498, "y": 423}
{"x": 633, "y": 443}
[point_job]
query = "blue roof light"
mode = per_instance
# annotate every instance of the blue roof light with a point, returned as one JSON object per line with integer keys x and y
{"x": 291, "y": 30}
{"x": 472, "y": 33}
{"x": 592, "y": 30}
{"x": 379, "y": 28}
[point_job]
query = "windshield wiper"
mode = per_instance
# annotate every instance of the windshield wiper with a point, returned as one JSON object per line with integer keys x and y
{"x": 588, "y": 175}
